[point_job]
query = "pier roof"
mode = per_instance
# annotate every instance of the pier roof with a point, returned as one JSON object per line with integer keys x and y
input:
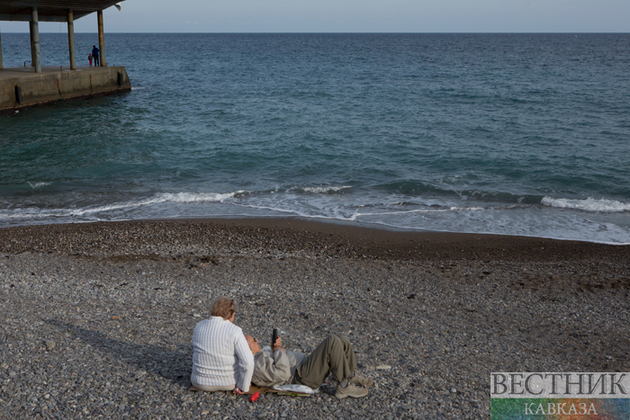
{"x": 51, "y": 10}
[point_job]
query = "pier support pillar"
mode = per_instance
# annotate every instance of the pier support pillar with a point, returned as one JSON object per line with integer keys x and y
{"x": 35, "y": 51}
{"x": 101, "y": 38}
{"x": 30, "y": 30}
{"x": 73, "y": 55}
{"x": 1, "y": 66}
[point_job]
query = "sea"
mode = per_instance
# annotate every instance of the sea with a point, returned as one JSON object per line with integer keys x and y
{"x": 511, "y": 134}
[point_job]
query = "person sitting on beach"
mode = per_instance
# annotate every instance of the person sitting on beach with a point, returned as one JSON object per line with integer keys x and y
{"x": 334, "y": 355}
{"x": 222, "y": 360}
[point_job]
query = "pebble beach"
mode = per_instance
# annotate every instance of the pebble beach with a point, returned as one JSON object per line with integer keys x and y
{"x": 96, "y": 319}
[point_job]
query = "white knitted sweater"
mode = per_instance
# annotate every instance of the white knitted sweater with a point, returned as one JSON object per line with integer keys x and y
{"x": 221, "y": 355}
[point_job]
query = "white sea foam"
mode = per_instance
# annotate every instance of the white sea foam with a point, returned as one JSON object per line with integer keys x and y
{"x": 325, "y": 190}
{"x": 594, "y": 220}
{"x": 35, "y": 185}
{"x": 196, "y": 197}
{"x": 422, "y": 210}
{"x": 164, "y": 198}
{"x": 590, "y": 204}
{"x": 88, "y": 211}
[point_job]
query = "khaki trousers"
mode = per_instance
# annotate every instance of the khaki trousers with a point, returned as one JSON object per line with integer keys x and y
{"x": 334, "y": 355}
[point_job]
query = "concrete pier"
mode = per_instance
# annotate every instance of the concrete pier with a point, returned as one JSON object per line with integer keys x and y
{"x": 37, "y": 85}
{"x": 22, "y": 87}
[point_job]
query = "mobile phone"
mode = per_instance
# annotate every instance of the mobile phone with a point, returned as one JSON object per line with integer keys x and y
{"x": 274, "y": 337}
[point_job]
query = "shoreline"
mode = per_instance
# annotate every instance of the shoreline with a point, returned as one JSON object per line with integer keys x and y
{"x": 375, "y": 242}
{"x": 313, "y": 223}
{"x": 96, "y": 319}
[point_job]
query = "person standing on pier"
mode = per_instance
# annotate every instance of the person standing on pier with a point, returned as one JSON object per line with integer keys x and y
{"x": 95, "y": 53}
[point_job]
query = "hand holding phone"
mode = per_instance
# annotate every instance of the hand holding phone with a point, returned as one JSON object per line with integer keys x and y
{"x": 276, "y": 343}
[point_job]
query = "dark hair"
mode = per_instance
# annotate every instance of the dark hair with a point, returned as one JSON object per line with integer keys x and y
{"x": 223, "y": 307}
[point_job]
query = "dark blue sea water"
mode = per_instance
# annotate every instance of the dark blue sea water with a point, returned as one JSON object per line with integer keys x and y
{"x": 517, "y": 134}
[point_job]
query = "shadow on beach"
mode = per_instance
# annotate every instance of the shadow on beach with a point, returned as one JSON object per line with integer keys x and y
{"x": 145, "y": 358}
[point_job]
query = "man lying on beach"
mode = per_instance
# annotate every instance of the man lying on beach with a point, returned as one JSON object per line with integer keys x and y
{"x": 333, "y": 356}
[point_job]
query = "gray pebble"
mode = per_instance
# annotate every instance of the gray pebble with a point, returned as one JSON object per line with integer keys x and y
{"x": 123, "y": 313}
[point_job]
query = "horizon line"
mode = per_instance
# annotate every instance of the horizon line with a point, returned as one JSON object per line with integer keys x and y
{"x": 341, "y": 32}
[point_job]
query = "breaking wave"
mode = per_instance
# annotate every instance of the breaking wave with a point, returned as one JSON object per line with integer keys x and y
{"x": 87, "y": 211}
{"x": 195, "y": 197}
{"x": 35, "y": 185}
{"x": 589, "y": 204}
{"x": 325, "y": 190}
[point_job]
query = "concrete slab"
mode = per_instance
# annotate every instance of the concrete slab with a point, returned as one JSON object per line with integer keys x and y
{"x": 21, "y": 87}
